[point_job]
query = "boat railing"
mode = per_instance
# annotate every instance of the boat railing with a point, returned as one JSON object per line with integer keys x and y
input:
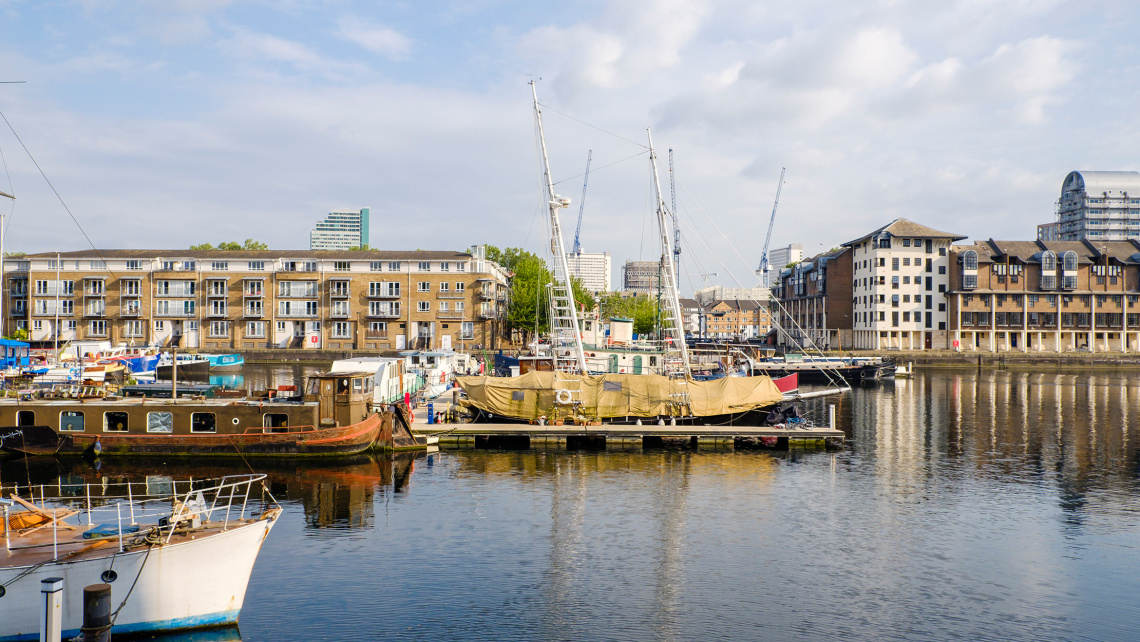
{"x": 121, "y": 509}
{"x": 278, "y": 430}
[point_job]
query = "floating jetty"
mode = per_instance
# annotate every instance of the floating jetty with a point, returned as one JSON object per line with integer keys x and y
{"x": 625, "y": 436}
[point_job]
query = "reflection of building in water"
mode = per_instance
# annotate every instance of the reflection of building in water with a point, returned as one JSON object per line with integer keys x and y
{"x": 1076, "y": 430}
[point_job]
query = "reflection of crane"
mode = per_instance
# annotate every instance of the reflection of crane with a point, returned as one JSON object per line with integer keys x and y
{"x": 768, "y": 239}
{"x": 577, "y": 248}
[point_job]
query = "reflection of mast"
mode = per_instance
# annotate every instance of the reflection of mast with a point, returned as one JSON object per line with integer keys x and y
{"x": 567, "y": 537}
{"x": 672, "y": 492}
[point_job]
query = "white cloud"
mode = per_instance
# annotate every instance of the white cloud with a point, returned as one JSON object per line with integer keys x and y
{"x": 378, "y": 39}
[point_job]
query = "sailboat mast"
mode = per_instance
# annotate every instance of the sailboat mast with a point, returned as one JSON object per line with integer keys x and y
{"x": 565, "y": 334}
{"x": 673, "y": 326}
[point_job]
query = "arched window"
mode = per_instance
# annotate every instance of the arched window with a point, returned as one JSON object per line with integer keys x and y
{"x": 1048, "y": 261}
{"x": 970, "y": 260}
{"x": 1070, "y": 261}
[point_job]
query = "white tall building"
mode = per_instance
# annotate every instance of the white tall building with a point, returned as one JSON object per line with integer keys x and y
{"x": 780, "y": 257}
{"x": 900, "y": 277}
{"x": 340, "y": 230}
{"x": 594, "y": 268}
{"x": 1096, "y": 206}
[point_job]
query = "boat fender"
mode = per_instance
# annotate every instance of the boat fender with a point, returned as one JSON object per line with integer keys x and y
{"x": 562, "y": 396}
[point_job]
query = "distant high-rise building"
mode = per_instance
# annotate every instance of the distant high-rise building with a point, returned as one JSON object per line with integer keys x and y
{"x": 780, "y": 257}
{"x": 1096, "y": 206}
{"x": 340, "y": 230}
{"x": 642, "y": 277}
{"x": 594, "y": 268}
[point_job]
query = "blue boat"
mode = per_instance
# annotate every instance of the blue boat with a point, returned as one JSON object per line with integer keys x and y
{"x": 224, "y": 361}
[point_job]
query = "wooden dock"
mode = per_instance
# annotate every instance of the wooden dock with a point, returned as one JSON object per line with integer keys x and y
{"x": 624, "y": 436}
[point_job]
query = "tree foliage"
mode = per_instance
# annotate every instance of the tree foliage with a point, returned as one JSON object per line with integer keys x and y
{"x": 249, "y": 244}
{"x": 529, "y": 308}
{"x": 643, "y": 309}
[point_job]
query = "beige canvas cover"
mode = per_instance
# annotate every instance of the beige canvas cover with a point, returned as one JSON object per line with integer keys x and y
{"x": 537, "y": 394}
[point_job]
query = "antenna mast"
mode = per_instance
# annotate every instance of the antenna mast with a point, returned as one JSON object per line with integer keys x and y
{"x": 565, "y": 335}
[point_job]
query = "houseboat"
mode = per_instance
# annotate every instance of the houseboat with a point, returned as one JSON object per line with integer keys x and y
{"x": 336, "y": 417}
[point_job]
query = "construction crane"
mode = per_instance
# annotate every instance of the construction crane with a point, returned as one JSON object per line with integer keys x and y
{"x": 763, "y": 271}
{"x": 676, "y": 227}
{"x": 705, "y": 276}
{"x": 577, "y": 248}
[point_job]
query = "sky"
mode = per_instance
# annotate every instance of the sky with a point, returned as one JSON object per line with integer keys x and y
{"x": 166, "y": 123}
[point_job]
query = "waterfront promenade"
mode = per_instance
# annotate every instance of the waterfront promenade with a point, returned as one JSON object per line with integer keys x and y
{"x": 974, "y": 358}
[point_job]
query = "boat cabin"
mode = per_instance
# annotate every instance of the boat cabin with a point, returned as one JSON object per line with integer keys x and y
{"x": 343, "y": 398}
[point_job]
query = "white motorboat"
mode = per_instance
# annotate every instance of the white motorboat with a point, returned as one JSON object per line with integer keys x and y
{"x": 177, "y": 555}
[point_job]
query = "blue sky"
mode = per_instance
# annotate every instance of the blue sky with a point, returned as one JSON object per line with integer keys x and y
{"x": 172, "y": 122}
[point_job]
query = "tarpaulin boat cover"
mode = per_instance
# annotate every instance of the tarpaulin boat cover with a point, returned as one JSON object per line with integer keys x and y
{"x": 537, "y": 394}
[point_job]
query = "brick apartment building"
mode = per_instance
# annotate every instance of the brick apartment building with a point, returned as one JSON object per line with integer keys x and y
{"x": 231, "y": 300}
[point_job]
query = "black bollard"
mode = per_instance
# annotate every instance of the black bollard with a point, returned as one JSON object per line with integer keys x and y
{"x": 97, "y": 613}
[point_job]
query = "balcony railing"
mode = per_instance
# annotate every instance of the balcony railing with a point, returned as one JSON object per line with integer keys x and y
{"x": 217, "y": 314}
{"x": 375, "y": 335}
{"x": 339, "y": 314}
{"x": 383, "y": 314}
{"x": 130, "y": 312}
{"x": 296, "y": 314}
{"x": 251, "y": 313}
{"x": 95, "y": 312}
{"x": 340, "y": 293}
{"x": 450, "y": 315}
{"x": 382, "y": 295}
{"x": 177, "y": 314}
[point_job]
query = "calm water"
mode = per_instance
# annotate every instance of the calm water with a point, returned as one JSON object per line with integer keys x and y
{"x": 968, "y": 506}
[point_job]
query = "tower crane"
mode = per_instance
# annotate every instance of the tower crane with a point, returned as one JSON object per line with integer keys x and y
{"x": 576, "y": 249}
{"x": 676, "y": 227}
{"x": 771, "y": 223}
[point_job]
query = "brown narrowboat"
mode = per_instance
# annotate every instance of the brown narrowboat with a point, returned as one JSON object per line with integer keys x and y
{"x": 336, "y": 417}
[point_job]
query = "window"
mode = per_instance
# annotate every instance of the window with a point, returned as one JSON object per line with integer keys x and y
{"x": 375, "y": 266}
{"x": 918, "y": 316}
{"x": 309, "y": 266}
{"x": 311, "y": 308}
{"x": 257, "y": 266}
{"x": 160, "y": 326}
{"x": 460, "y": 286}
{"x": 906, "y": 317}
{"x": 445, "y": 267}
{"x": 342, "y": 266}
{"x": 467, "y": 330}
{"x": 168, "y": 265}
{"x": 393, "y": 266}
{"x": 423, "y": 306}
{"x": 133, "y": 328}
{"x": 41, "y": 287}
{"x": 280, "y": 326}
{"x": 424, "y": 286}
{"x": 969, "y": 260}
{"x": 459, "y": 306}
{"x": 115, "y": 422}
{"x": 255, "y": 329}
{"x": 906, "y": 242}
{"x": 203, "y": 422}
{"x": 95, "y": 288}
{"x": 444, "y": 286}
{"x": 384, "y": 288}
{"x": 894, "y": 282}
{"x": 253, "y": 308}
{"x": 97, "y": 328}
{"x": 134, "y": 265}
{"x": 894, "y": 300}
{"x": 425, "y": 266}
{"x": 253, "y": 288}
{"x": 71, "y": 421}
{"x": 443, "y": 307}
{"x": 340, "y": 330}
{"x": 895, "y": 263}
{"x": 895, "y": 319}
{"x": 378, "y": 327}
{"x": 906, "y": 261}
{"x": 384, "y": 308}
{"x": 461, "y": 266}
{"x": 906, "y": 280}
{"x": 160, "y": 422}
{"x": 219, "y": 266}
{"x": 942, "y": 270}
{"x": 132, "y": 287}
{"x": 217, "y": 288}
{"x": 219, "y": 329}
{"x": 1069, "y": 261}
{"x": 189, "y": 266}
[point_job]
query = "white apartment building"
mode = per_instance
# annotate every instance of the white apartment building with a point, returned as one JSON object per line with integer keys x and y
{"x": 340, "y": 230}
{"x": 900, "y": 278}
{"x": 594, "y": 268}
{"x": 780, "y": 257}
{"x": 1097, "y": 206}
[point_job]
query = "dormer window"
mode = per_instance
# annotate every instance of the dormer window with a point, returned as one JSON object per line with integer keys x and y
{"x": 1048, "y": 270}
{"x": 969, "y": 270}
{"x": 1069, "y": 270}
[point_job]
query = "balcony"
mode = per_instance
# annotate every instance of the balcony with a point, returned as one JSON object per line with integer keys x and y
{"x": 218, "y": 295}
{"x": 296, "y": 314}
{"x": 176, "y": 314}
{"x": 384, "y": 314}
{"x": 94, "y": 292}
{"x": 450, "y": 315}
{"x": 260, "y": 294}
{"x": 217, "y": 314}
{"x": 253, "y": 313}
{"x": 298, "y": 295}
{"x": 17, "y": 312}
{"x": 339, "y": 314}
{"x": 372, "y": 336}
{"x": 340, "y": 293}
{"x": 130, "y": 311}
{"x": 176, "y": 292}
{"x": 380, "y": 294}
{"x": 489, "y": 314}
{"x": 486, "y": 296}
{"x": 95, "y": 312}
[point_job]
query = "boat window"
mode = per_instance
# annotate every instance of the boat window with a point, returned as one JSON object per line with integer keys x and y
{"x": 71, "y": 421}
{"x": 159, "y": 422}
{"x": 357, "y": 385}
{"x": 368, "y": 385}
{"x": 203, "y": 422}
{"x": 342, "y": 386}
{"x": 26, "y": 418}
{"x": 314, "y": 386}
{"x": 275, "y": 420}
{"x": 115, "y": 422}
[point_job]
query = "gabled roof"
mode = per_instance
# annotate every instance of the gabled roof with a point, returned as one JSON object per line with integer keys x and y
{"x": 1024, "y": 251}
{"x": 1060, "y": 247}
{"x": 902, "y": 227}
{"x": 1122, "y": 251}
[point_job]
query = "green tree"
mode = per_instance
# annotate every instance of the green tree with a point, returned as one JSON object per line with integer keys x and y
{"x": 229, "y": 245}
{"x": 202, "y": 246}
{"x": 356, "y": 248}
{"x": 19, "y": 335}
{"x": 251, "y": 244}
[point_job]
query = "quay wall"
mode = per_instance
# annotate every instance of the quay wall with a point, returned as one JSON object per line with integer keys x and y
{"x": 953, "y": 359}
